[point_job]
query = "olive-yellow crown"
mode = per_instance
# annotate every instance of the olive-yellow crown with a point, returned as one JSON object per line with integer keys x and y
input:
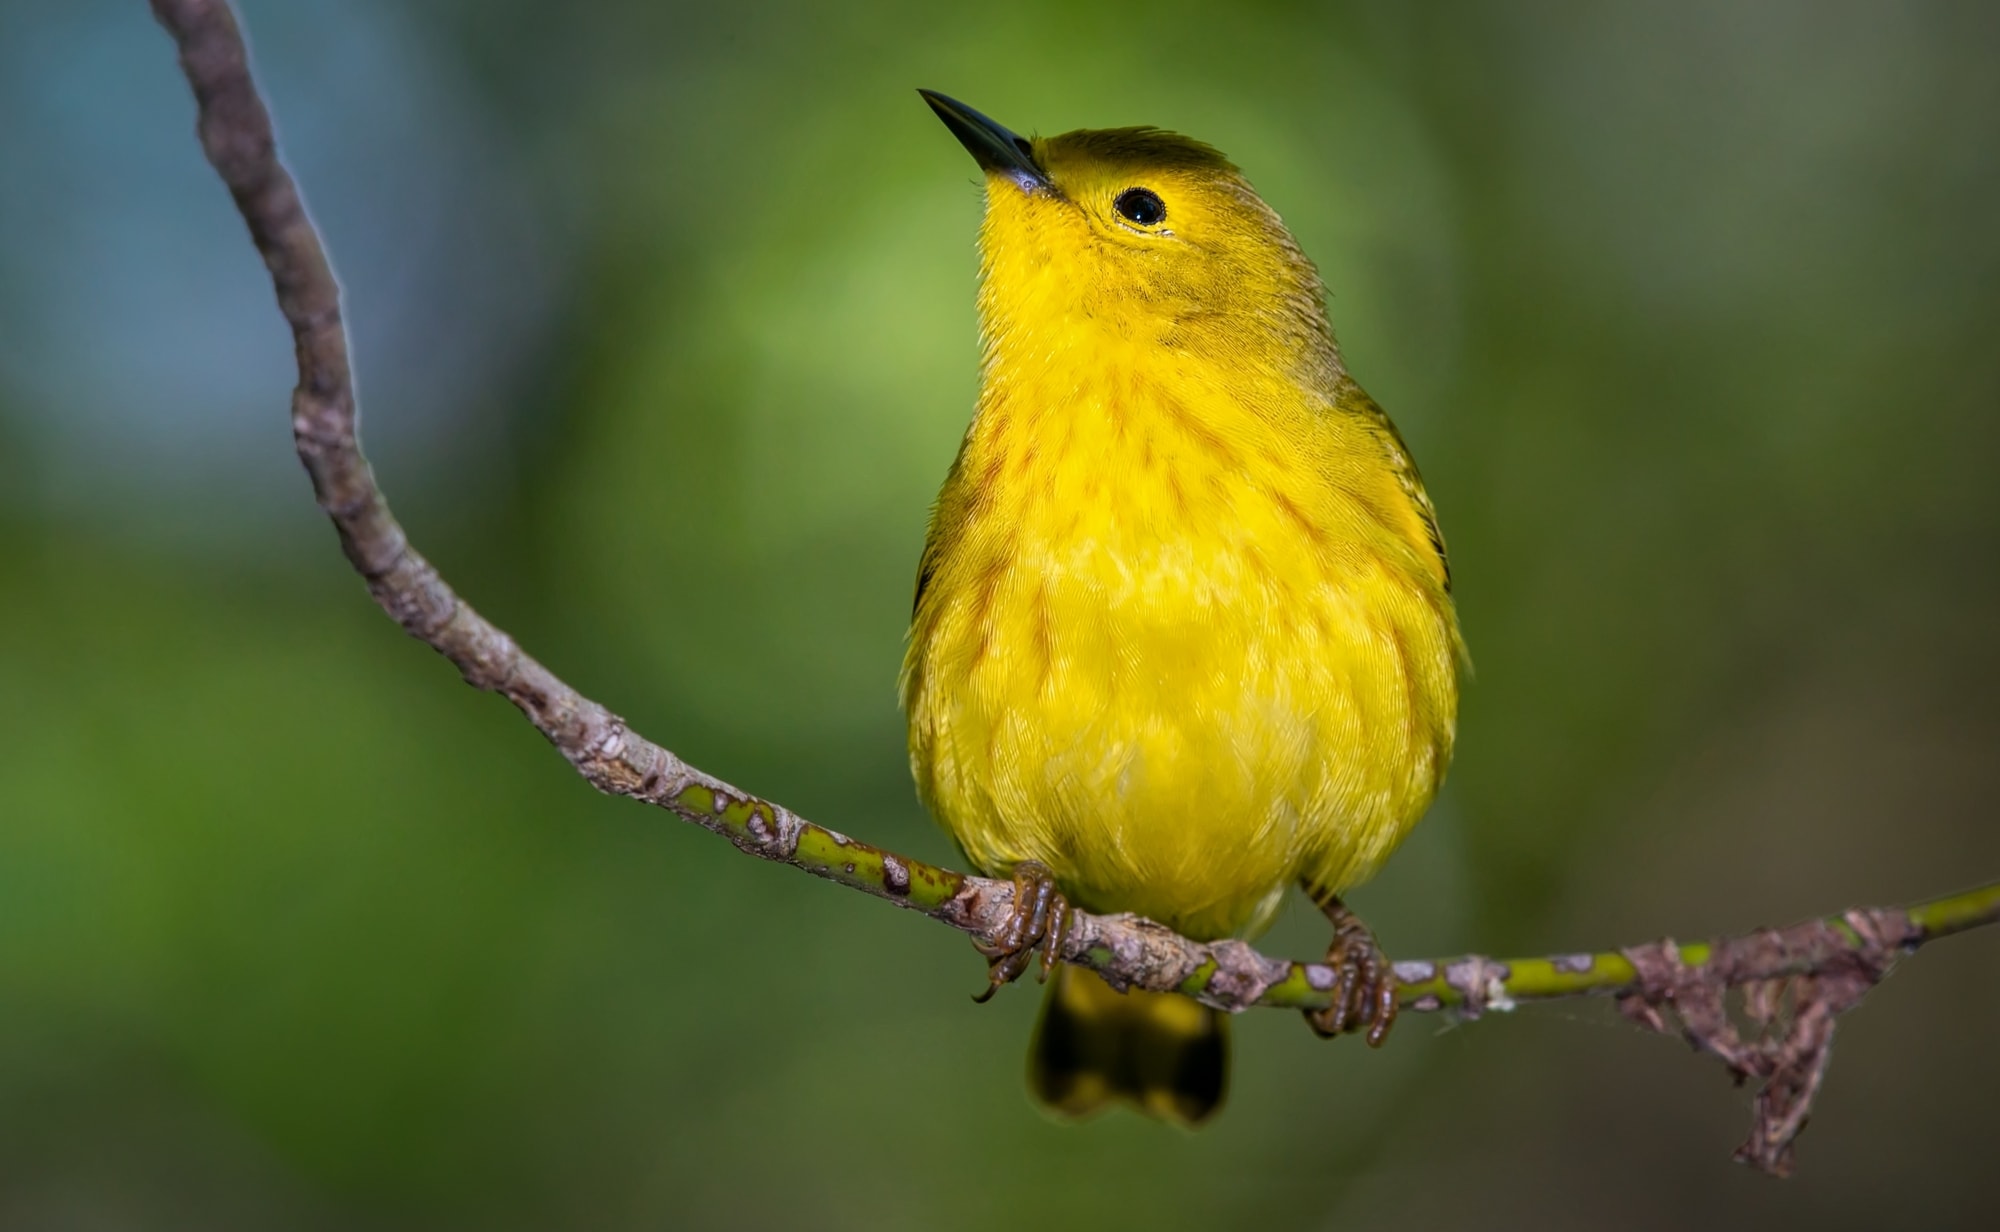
{"x": 1146, "y": 234}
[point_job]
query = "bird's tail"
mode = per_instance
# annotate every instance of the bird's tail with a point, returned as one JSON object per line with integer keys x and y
{"x": 1167, "y": 1055}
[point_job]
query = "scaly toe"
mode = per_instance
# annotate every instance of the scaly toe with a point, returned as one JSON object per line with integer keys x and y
{"x": 1364, "y": 993}
{"x": 1040, "y": 917}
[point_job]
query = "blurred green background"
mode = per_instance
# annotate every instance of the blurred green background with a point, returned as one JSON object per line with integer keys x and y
{"x": 663, "y": 318}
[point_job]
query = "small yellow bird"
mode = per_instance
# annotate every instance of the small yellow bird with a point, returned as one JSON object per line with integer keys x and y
{"x": 1183, "y": 634}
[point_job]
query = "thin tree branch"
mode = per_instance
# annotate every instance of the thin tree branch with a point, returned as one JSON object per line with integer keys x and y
{"x": 1827, "y": 963}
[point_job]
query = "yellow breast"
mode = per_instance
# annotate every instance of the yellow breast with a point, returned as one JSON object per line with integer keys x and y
{"x": 1180, "y": 637}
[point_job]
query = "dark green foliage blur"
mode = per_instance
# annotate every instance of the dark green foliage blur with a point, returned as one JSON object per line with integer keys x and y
{"x": 663, "y": 319}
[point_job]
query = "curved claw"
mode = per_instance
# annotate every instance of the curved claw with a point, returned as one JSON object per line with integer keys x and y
{"x": 1364, "y": 983}
{"x": 1040, "y": 917}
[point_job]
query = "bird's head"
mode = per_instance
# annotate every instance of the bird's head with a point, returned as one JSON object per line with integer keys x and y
{"x": 1143, "y": 234}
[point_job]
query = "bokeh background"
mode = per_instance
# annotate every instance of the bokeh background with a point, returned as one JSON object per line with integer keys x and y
{"x": 663, "y": 317}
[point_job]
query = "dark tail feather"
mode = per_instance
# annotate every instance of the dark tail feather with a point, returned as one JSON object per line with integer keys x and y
{"x": 1165, "y": 1054}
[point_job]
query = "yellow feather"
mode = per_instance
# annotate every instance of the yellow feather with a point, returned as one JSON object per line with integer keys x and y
{"x": 1183, "y": 631}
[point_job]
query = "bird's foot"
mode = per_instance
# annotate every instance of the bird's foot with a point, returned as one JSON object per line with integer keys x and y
{"x": 1040, "y": 918}
{"x": 1364, "y": 981}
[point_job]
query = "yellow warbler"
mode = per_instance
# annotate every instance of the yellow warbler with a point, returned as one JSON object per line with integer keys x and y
{"x": 1183, "y": 634}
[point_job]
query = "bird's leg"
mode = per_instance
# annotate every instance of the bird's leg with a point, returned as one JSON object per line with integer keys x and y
{"x": 1040, "y": 918}
{"x": 1364, "y": 982}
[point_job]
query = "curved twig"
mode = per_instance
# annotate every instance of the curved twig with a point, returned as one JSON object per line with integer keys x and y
{"x": 1848, "y": 953}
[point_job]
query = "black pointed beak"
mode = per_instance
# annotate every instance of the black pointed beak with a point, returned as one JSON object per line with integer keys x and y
{"x": 992, "y": 146}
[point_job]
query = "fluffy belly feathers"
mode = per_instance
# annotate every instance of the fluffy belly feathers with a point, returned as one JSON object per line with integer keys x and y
{"x": 1179, "y": 689}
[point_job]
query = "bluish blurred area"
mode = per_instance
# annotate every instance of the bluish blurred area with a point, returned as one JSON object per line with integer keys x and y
{"x": 663, "y": 319}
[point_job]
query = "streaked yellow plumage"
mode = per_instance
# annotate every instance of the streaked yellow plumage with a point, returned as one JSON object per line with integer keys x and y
{"x": 1183, "y": 631}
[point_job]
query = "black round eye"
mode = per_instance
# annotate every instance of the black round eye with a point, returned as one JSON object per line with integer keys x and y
{"x": 1140, "y": 205}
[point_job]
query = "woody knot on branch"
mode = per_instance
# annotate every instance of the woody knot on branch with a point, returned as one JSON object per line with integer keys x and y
{"x": 1787, "y": 1039}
